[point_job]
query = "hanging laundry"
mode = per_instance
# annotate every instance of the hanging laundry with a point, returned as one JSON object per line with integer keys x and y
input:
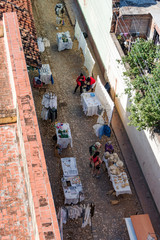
{"x": 89, "y": 61}
{"x": 78, "y": 31}
{"x": 52, "y": 114}
{"x": 105, "y": 99}
{"x": 82, "y": 44}
{"x": 44, "y": 113}
{"x": 87, "y": 217}
{"x": 49, "y": 110}
{"x": 45, "y": 73}
{"x": 49, "y": 100}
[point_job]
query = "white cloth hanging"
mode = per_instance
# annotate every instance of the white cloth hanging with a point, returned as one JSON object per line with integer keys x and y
{"x": 105, "y": 99}
{"x": 89, "y": 61}
{"x": 87, "y": 218}
{"x": 45, "y": 73}
{"x": 78, "y": 31}
{"x": 82, "y": 44}
{"x": 44, "y": 113}
{"x": 49, "y": 100}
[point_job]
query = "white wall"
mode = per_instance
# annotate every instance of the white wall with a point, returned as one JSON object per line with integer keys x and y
{"x": 98, "y": 15}
{"x": 98, "y": 18}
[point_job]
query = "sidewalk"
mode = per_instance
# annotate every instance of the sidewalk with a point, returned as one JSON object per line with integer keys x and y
{"x": 139, "y": 182}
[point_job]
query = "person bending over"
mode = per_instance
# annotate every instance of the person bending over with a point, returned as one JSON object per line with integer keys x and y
{"x": 80, "y": 82}
{"x": 91, "y": 82}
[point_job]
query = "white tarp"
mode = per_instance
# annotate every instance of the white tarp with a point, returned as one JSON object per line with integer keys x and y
{"x": 104, "y": 98}
{"x": 89, "y": 61}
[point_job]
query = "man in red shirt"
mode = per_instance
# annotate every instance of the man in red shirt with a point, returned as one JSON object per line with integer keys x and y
{"x": 80, "y": 82}
{"x": 91, "y": 83}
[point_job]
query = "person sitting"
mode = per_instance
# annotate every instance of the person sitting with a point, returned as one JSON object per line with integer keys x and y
{"x": 108, "y": 147}
{"x": 80, "y": 82}
{"x": 97, "y": 162}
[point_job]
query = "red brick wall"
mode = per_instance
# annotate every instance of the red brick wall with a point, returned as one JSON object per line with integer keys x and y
{"x": 44, "y": 220}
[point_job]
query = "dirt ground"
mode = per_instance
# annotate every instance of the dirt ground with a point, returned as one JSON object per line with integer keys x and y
{"x": 108, "y": 221}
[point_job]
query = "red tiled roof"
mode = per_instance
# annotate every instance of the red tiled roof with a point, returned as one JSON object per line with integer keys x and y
{"x": 26, "y": 26}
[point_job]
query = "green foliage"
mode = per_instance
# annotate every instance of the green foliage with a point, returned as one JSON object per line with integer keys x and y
{"x": 143, "y": 84}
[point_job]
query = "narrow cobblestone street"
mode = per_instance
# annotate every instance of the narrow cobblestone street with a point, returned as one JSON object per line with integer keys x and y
{"x": 108, "y": 221}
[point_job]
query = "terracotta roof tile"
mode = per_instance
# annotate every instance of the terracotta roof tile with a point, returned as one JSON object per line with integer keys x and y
{"x": 24, "y": 13}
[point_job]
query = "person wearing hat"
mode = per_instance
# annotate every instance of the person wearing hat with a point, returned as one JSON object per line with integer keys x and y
{"x": 108, "y": 147}
{"x": 94, "y": 148}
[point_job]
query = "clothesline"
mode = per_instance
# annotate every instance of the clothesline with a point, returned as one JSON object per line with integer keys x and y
{"x": 86, "y": 212}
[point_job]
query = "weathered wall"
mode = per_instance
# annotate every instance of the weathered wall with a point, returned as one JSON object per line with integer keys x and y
{"x": 43, "y": 214}
{"x": 96, "y": 14}
{"x": 98, "y": 17}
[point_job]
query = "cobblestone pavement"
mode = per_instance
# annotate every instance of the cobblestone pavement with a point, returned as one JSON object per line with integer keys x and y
{"x": 108, "y": 221}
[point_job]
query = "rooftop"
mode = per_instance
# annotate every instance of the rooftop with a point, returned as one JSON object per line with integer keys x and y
{"x": 26, "y": 26}
{"x": 139, "y": 10}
